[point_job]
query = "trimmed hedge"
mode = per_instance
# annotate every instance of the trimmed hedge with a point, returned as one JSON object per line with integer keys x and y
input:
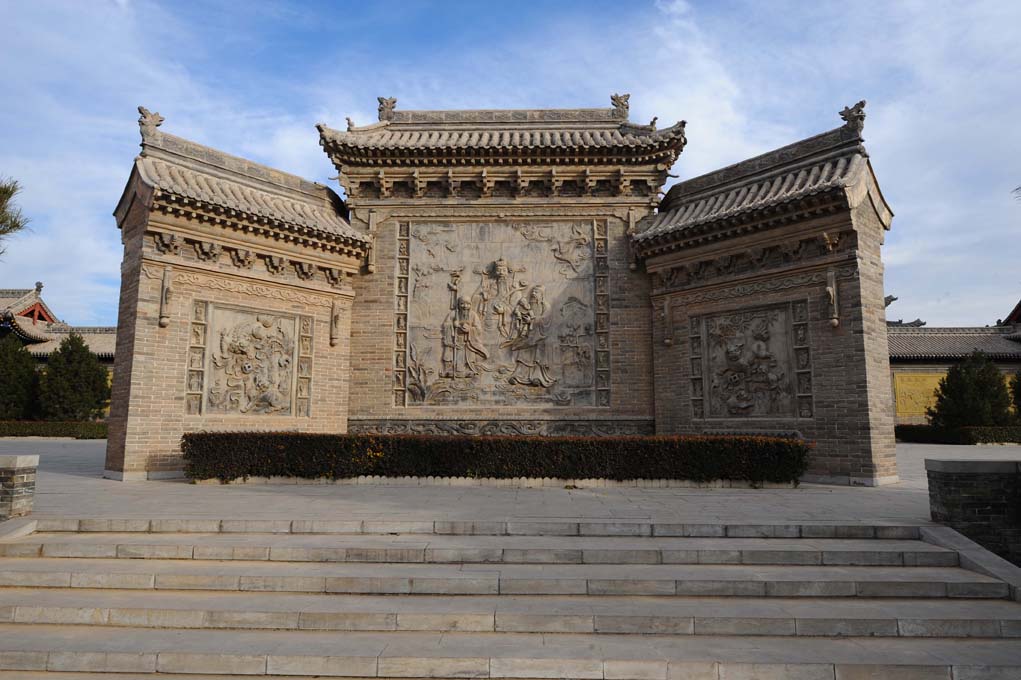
{"x": 929, "y": 434}
{"x": 232, "y": 455}
{"x": 78, "y": 429}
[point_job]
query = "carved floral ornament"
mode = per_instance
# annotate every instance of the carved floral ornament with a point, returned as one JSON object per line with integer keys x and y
{"x": 243, "y": 258}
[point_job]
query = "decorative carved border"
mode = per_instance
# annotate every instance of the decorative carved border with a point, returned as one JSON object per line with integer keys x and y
{"x": 802, "y": 359}
{"x": 197, "y": 341}
{"x": 697, "y": 378}
{"x": 303, "y": 385}
{"x": 401, "y": 314}
{"x": 214, "y": 282}
{"x": 602, "y": 301}
{"x": 545, "y": 428}
{"x": 770, "y": 285}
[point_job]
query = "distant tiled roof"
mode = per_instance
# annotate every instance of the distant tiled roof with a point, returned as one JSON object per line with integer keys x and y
{"x": 1015, "y": 315}
{"x": 832, "y": 161}
{"x": 546, "y": 135}
{"x": 997, "y": 342}
{"x": 101, "y": 340}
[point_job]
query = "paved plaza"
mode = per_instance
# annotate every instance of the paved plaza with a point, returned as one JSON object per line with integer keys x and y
{"x": 70, "y": 484}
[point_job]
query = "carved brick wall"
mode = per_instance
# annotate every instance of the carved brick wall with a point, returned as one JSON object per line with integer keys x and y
{"x": 228, "y": 345}
{"x": 778, "y": 344}
{"x": 510, "y": 315}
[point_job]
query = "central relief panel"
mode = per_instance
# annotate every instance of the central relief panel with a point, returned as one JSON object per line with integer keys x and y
{"x": 507, "y": 313}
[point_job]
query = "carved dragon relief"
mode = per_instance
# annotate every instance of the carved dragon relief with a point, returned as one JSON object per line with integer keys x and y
{"x": 515, "y": 321}
{"x": 251, "y": 362}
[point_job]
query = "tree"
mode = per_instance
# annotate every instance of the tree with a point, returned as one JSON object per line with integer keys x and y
{"x": 11, "y": 218}
{"x": 19, "y": 383}
{"x": 972, "y": 393}
{"x": 74, "y": 385}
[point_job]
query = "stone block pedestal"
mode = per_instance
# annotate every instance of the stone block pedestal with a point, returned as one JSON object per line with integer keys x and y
{"x": 17, "y": 485}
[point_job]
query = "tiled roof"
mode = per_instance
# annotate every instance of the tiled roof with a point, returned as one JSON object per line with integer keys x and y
{"x": 997, "y": 342}
{"x": 834, "y": 160}
{"x": 240, "y": 188}
{"x": 101, "y": 341}
{"x": 316, "y": 214}
{"x": 547, "y": 133}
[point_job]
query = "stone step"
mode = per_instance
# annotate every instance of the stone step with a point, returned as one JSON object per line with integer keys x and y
{"x": 526, "y": 614}
{"x": 498, "y": 655}
{"x": 413, "y": 525}
{"x": 483, "y": 549}
{"x": 721, "y": 580}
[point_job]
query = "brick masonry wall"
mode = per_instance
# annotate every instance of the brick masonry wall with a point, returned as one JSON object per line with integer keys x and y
{"x": 980, "y": 499}
{"x": 149, "y": 412}
{"x": 851, "y": 418}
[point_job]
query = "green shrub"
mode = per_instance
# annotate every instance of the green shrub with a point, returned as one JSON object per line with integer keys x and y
{"x": 972, "y": 393}
{"x": 74, "y": 386}
{"x": 53, "y": 428}
{"x": 232, "y": 455}
{"x": 927, "y": 434}
{"x": 19, "y": 383}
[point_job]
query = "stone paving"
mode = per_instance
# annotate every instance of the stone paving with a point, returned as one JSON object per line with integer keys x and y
{"x": 70, "y": 484}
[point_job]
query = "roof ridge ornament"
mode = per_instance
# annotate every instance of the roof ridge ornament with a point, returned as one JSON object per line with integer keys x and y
{"x": 148, "y": 121}
{"x": 854, "y": 117}
{"x": 386, "y": 108}
{"x": 621, "y": 104}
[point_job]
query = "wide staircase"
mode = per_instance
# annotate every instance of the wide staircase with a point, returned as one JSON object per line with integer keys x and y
{"x": 415, "y": 599}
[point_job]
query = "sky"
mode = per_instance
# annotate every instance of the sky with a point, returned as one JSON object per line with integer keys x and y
{"x": 253, "y": 78}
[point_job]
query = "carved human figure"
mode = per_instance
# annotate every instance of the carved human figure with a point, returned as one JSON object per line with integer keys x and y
{"x": 530, "y": 327}
{"x": 461, "y": 338}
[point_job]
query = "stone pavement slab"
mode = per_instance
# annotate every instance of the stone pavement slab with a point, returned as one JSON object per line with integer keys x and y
{"x": 70, "y": 484}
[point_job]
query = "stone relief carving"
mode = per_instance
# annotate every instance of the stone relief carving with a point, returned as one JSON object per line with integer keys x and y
{"x": 275, "y": 264}
{"x": 752, "y": 363}
{"x": 251, "y": 362}
{"x": 208, "y": 251}
{"x": 242, "y": 258}
{"x": 498, "y": 314}
{"x": 769, "y": 285}
{"x": 748, "y": 357}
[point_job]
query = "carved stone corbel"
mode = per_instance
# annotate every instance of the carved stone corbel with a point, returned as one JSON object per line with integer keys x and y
{"x": 830, "y": 242}
{"x": 208, "y": 251}
{"x": 166, "y": 243}
{"x": 419, "y": 182}
{"x": 832, "y": 298}
{"x": 165, "y": 294}
{"x": 275, "y": 264}
{"x": 555, "y": 182}
{"x": 487, "y": 183}
{"x": 242, "y": 258}
{"x": 305, "y": 270}
{"x": 623, "y": 186}
{"x": 520, "y": 183}
{"x": 385, "y": 185}
{"x": 588, "y": 182}
{"x": 453, "y": 184}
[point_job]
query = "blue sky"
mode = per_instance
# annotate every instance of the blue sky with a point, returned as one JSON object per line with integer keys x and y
{"x": 253, "y": 78}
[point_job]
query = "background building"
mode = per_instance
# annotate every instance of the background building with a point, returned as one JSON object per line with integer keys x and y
{"x": 24, "y": 313}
